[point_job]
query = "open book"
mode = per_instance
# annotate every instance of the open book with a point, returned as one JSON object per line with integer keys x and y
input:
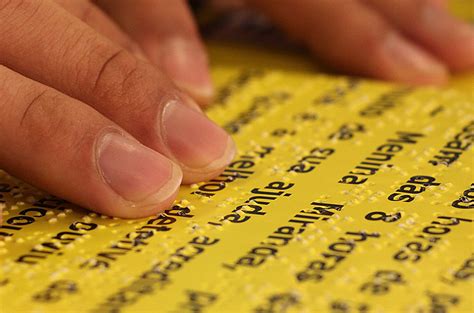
{"x": 347, "y": 195}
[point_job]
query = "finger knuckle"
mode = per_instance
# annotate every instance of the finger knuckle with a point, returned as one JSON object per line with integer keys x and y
{"x": 43, "y": 117}
{"x": 15, "y": 15}
{"x": 6, "y": 5}
{"x": 10, "y": 7}
{"x": 130, "y": 84}
{"x": 114, "y": 71}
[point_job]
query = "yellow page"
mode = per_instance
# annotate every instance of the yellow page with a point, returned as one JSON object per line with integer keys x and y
{"x": 346, "y": 195}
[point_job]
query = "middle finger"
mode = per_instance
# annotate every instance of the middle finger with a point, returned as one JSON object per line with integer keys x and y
{"x": 73, "y": 58}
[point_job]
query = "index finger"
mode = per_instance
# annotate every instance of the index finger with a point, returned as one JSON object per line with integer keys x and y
{"x": 73, "y": 58}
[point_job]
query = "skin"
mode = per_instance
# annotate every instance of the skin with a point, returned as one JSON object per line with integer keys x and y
{"x": 99, "y": 99}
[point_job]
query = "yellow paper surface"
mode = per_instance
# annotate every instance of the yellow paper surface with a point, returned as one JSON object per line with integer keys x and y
{"x": 346, "y": 195}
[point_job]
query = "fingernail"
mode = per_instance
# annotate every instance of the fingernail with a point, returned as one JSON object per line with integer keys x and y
{"x": 194, "y": 140}
{"x": 135, "y": 172}
{"x": 410, "y": 63}
{"x": 186, "y": 63}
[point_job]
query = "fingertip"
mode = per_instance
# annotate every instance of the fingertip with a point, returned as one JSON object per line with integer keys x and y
{"x": 400, "y": 60}
{"x": 142, "y": 180}
{"x": 197, "y": 144}
{"x": 432, "y": 26}
{"x": 154, "y": 204}
{"x": 214, "y": 168}
{"x": 448, "y": 37}
{"x": 159, "y": 202}
{"x": 464, "y": 46}
{"x": 203, "y": 95}
{"x": 186, "y": 63}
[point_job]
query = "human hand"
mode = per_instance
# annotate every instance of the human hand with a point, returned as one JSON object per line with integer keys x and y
{"x": 408, "y": 41}
{"x": 88, "y": 118}
{"x": 85, "y": 118}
